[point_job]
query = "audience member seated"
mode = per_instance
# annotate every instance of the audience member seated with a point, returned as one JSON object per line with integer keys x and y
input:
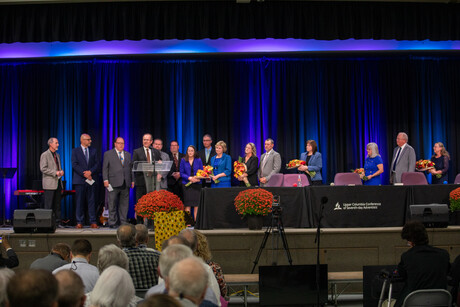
{"x": 178, "y": 250}
{"x": 5, "y": 276}
{"x": 187, "y": 281}
{"x": 422, "y": 266}
{"x": 71, "y": 290}
{"x": 112, "y": 255}
{"x": 142, "y": 237}
{"x": 191, "y": 237}
{"x": 143, "y": 264}
{"x": 114, "y": 288}
{"x": 12, "y": 260}
{"x": 175, "y": 240}
{"x": 204, "y": 253}
{"x": 160, "y": 300}
{"x": 81, "y": 254}
{"x": 59, "y": 256}
{"x": 37, "y": 288}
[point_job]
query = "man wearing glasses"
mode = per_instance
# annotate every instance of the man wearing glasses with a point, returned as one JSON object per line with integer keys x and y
{"x": 206, "y": 154}
{"x": 85, "y": 166}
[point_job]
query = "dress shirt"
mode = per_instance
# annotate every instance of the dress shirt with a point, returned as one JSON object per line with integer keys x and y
{"x": 402, "y": 148}
{"x": 88, "y": 272}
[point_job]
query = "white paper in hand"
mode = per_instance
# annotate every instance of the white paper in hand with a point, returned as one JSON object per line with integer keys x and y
{"x": 109, "y": 188}
{"x": 90, "y": 182}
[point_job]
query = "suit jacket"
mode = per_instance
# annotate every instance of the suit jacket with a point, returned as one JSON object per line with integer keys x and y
{"x": 186, "y": 169}
{"x": 224, "y": 166}
{"x": 171, "y": 180}
{"x": 406, "y": 162}
{"x": 115, "y": 172}
{"x": 252, "y": 166}
{"x": 10, "y": 262}
{"x": 79, "y": 164}
{"x": 423, "y": 267}
{"x": 314, "y": 165}
{"x": 139, "y": 155}
{"x": 48, "y": 168}
{"x": 164, "y": 180}
{"x": 202, "y": 155}
{"x": 272, "y": 165}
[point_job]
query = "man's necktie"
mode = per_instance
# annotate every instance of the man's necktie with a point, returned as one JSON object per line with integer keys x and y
{"x": 396, "y": 159}
{"x": 86, "y": 155}
{"x": 121, "y": 158}
{"x": 176, "y": 161}
{"x": 148, "y": 155}
{"x": 207, "y": 151}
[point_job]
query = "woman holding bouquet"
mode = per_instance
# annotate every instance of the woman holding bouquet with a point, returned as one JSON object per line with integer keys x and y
{"x": 373, "y": 165}
{"x": 189, "y": 165}
{"x": 441, "y": 164}
{"x": 251, "y": 161}
{"x": 222, "y": 164}
{"x": 314, "y": 163}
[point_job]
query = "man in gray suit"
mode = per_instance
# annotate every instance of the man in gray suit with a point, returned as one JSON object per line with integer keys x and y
{"x": 117, "y": 176}
{"x": 162, "y": 180}
{"x": 403, "y": 160}
{"x": 50, "y": 166}
{"x": 270, "y": 163}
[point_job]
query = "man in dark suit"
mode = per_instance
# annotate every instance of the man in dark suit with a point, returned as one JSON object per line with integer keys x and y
{"x": 206, "y": 154}
{"x": 403, "y": 160}
{"x": 117, "y": 176}
{"x": 50, "y": 166}
{"x": 85, "y": 165}
{"x": 144, "y": 154}
{"x": 174, "y": 180}
{"x": 422, "y": 266}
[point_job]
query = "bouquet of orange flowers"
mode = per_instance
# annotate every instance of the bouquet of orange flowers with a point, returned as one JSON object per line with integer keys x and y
{"x": 295, "y": 163}
{"x": 204, "y": 173}
{"x": 361, "y": 173}
{"x": 158, "y": 201}
{"x": 254, "y": 202}
{"x": 454, "y": 197}
{"x": 239, "y": 168}
{"x": 423, "y": 165}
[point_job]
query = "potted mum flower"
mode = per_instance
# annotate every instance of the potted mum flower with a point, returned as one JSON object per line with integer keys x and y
{"x": 454, "y": 198}
{"x": 254, "y": 204}
{"x": 167, "y": 211}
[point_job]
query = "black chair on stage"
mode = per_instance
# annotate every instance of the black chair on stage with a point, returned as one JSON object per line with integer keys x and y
{"x": 291, "y": 179}
{"x": 276, "y": 180}
{"x": 457, "y": 179}
{"x": 428, "y": 298}
{"x": 413, "y": 178}
{"x": 347, "y": 179}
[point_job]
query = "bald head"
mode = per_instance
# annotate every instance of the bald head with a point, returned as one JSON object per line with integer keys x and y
{"x": 85, "y": 140}
{"x": 126, "y": 235}
{"x": 188, "y": 278}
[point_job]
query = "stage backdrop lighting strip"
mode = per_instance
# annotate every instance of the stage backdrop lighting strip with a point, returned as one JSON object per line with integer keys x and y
{"x": 174, "y": 46}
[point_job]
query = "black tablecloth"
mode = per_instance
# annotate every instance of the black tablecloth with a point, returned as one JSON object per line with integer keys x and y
{"x": 217, "y": 210}
{"x": 359, "y": 206}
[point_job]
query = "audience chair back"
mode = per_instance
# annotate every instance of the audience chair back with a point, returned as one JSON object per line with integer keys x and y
{"x": 428, "y": 298}
{"x": 141, "y": 292}
{"x": 413, "y": 178}
{"x": 457, "y": 179}
{"x": 290, "y": 179}
{"x": 347, "y": 179}
{"x": 276, "y": 180}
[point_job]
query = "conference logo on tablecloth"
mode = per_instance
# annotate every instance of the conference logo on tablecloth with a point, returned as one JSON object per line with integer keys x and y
{"x": 357, "y": 206}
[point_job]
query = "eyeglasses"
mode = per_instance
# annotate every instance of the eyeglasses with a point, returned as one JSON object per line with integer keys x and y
{"x": 207, "y": 140}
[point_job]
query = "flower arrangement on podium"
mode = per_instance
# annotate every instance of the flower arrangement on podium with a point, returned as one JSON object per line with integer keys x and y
{"x": 454, "y": 197}
{"x": 239, "y": 168}
{"x": 167, "y": 211}
{"x": 254, "y": 204}
{"x": 361, "y": 172}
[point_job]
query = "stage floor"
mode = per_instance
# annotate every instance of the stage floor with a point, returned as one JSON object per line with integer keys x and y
{"x": 343, "y": 249}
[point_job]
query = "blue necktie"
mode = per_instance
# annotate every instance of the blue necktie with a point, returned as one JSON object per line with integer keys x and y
{"x": 86, "y": 155}
{"x": 121, "y": 158}
{"x": 396, "y": 160}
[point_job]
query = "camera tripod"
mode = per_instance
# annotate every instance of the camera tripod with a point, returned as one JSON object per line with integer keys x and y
{"x": 277, "y": 221}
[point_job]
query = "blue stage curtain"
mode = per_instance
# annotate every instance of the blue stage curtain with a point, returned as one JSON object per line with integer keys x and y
{"x": 341, "y": 102}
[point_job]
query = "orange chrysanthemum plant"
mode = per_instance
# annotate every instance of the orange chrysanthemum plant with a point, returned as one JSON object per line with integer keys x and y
{"x": 254, "y": 202}
{"x": 454, "y": 198}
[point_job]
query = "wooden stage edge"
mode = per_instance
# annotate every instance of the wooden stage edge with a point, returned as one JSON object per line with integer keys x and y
{"x": 343, "y": 249}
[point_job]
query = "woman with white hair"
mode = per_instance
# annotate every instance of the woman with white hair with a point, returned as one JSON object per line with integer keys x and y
{"x": 373, "y": 165}
{"x": 114, "y": 288}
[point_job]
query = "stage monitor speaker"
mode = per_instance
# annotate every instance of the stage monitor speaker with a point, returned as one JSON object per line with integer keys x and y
{"x": 431, "y": 215}
{"x": 34, "y": 221}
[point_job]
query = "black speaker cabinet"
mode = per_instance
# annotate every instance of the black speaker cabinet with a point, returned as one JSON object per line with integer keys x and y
{"x": 34, "y": 221}
{"x": 431, "y": 215}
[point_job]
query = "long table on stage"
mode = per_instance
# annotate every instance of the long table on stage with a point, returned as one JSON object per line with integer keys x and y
{"x": 345, "y": 206}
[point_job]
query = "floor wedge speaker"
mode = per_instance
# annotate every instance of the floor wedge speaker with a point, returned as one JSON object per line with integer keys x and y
{"x": 34, "y": 221}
